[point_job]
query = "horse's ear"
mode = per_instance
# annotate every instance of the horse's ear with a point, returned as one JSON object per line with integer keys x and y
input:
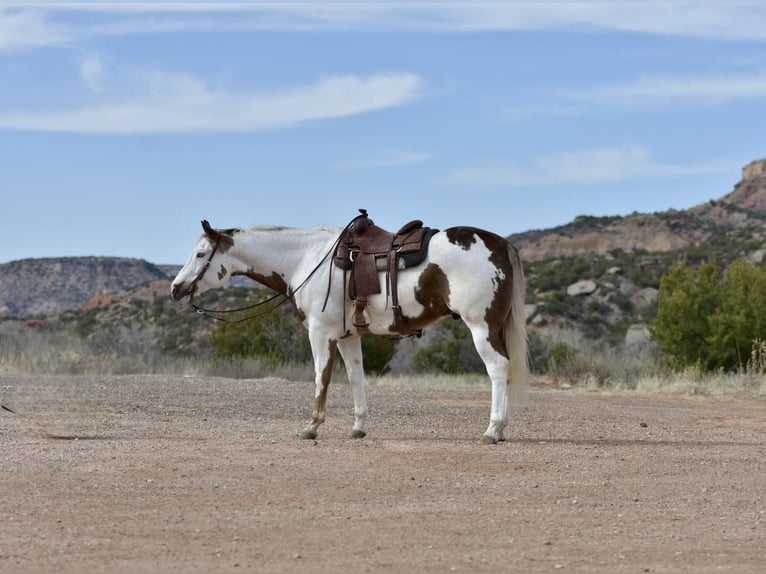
{"x": 209, "y": 231}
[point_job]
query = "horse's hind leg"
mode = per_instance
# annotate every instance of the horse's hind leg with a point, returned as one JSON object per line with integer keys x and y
{"x": 351, "y": 351}
{"x": 324, "y": 358}
{"x": 497, "y": 369}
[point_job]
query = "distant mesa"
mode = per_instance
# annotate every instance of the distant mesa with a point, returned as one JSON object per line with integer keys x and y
{"x": 654, "y": 232}
{"x": 754, "y": 170}
{"x": 750, "y": 193}
{"x": 34, "y": 288}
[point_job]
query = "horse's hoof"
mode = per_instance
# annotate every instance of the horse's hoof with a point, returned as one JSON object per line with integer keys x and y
{"x": 309, "y": 434}
{"x": 358, "y": 434}
{"x": 486, "y": 439}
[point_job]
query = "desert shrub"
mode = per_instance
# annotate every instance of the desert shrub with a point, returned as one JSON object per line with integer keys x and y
{"x": 378, "y": 352}
{"x": 707, "y": 320}
{"x": 592, "y": 315}
{"x": 686, "y": 301}
{"x": 273, "y": 336}
{"x": 568, "y": 356}
{"x": 553, "y": 275}
{"x": 560, "y": 358}
{"x": 450, "y": 351}
{"x": 740, "y": 317}
{"x": 441, "y": 356}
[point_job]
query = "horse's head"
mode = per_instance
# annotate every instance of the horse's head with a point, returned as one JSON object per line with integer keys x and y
{"x": 206, "y": 267}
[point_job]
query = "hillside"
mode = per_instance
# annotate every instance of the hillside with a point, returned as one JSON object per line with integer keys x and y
{"x": 743, "y": 208}
{"x": 49, "y": 286}
{"x": 597, "y": 277}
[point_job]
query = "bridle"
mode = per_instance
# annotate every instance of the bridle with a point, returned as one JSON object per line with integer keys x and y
{"x": 214, "y": 312}
{"x": 204, "y": 269}
{"x": 202, "y": 311}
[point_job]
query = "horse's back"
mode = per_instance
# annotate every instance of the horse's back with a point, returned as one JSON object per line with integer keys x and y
{"x": 466, "y": 243}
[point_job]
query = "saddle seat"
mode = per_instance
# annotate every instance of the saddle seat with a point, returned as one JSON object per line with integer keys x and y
{"x": 366, "y": 250}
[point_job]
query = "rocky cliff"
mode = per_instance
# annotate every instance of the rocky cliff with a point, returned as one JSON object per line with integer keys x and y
{"x": 744, "y": 207}
{"x": 48, "y": 286}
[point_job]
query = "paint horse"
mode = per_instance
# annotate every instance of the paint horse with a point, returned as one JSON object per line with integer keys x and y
{"x": 468, "y": 273}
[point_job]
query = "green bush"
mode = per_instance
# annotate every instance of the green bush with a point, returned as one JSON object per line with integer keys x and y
{"x": 686, "y": 301}
{"x": 710, "y": 321}
{"x": 741, "y": 316}
{"x": 441, "y": 356}
{"x": 561, "y": 356}
{"x": 273, "y": 336}
{"x": 378, "y": 352}
{"x": 451, "y": 351}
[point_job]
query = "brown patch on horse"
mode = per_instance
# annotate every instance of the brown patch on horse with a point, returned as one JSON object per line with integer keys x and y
{"x": 500, "y": 306}
{"x": 222, "y": 272}
{"x": 497, "y": 313}
{"x": 432, "y": 292}
{"x": 318, "y": 414}
{"x": 224, "y": 238}
{"x": 275, "y": 281}
{"x": 465, "y": 237}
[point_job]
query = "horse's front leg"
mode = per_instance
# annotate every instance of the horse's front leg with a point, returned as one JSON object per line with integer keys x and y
{"x": 351, "y": 351}
{"x": 323, "y": 350}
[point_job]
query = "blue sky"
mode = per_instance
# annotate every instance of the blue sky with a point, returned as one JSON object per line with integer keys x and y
{"x": 122, "y": 124}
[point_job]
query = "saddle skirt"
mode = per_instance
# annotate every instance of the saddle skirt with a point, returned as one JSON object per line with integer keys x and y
{"x": 366, "y": 250}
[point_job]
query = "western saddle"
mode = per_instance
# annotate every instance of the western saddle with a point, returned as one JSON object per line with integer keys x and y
{"x": 365, "y": 250}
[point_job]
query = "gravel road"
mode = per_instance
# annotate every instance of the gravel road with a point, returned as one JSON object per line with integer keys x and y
{"x": 183, "y": 474}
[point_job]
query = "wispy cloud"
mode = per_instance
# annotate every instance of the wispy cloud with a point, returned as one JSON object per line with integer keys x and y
{"x": 584, "y": 167}
{"x": 24, "y": 29}
{"x": 185, "y": 104}
{"x": 648, "y": 90}
{"x": 385, "y": 159}
{"x": 742, "y": 20}
{"x": 642, "y": 93}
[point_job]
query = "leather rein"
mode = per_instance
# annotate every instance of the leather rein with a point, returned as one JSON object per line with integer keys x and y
{"x": 214, "y": 312}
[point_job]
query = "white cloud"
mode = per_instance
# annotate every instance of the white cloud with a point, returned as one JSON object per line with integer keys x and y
{"x": 742, "y": 20}
{"x": 184, "y": 104}
{"x": 642, "y": 93}
{"x": 25, "y": 29}
{"x": 582, "y": 167}
{"x": 648, "y": 90}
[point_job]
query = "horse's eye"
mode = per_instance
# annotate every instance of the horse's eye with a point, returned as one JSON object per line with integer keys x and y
{"x": 200, "y": 254}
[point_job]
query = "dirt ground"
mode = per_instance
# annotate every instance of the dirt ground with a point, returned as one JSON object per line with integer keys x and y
{"x": 176, "y": 474}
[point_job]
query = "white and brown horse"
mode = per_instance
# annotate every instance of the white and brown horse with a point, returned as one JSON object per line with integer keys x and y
{"x": 468, "y": 272}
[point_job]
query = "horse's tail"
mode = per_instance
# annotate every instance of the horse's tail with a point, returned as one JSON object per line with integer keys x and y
{"x": 516, "y": 331}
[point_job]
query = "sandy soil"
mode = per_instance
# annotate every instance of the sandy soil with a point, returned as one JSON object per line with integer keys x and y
{"x": 173, "y": 474}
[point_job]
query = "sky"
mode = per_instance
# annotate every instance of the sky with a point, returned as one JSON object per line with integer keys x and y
{"x": 124, "y": 123}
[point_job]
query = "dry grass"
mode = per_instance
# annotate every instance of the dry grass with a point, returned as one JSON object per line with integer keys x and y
{"x": 23, "y": 351}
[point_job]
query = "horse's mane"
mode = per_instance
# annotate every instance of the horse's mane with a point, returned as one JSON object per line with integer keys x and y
{"x": 296, "y": 229}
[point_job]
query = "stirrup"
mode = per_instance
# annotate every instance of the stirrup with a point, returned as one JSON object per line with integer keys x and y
{"x": 360, "y": 321}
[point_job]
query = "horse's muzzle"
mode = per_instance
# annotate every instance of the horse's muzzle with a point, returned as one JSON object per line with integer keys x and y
{"x": 179, "y": 291}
